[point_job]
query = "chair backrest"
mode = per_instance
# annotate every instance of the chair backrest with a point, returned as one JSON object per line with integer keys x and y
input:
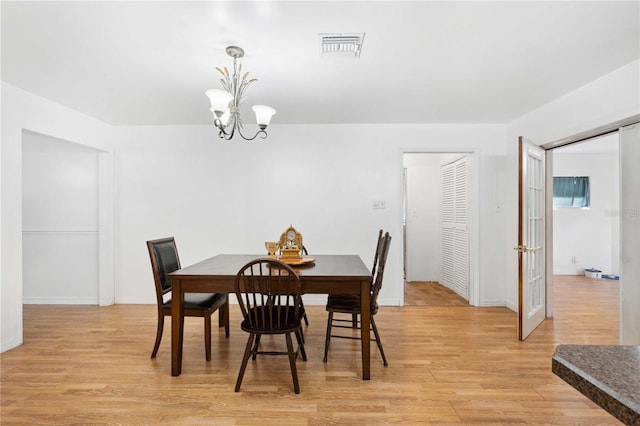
{"x": 382, "y": 261}
{"x": 164, "y": 259}
{"x": 377, "y": 254}
{"x": 269, "y": 294}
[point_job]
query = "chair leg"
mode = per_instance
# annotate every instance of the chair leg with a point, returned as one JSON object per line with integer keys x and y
{"x": 255, "y": 347}
{"x": 354, "y": 320}
{"x": 156, "y": 346}
{"x": 375, "y": 333}
{"x": 328, "y": 337}
{"x": 223, "y": 318}
{"x": 306, "y": 320}
{"x": 245, "y": 359}
{"x": 207, "y": 336}
{"x": 292, "y": 363}
{"x": 300, "y": 339}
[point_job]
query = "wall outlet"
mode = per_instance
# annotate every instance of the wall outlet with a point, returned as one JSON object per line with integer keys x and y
{"x": 378, "y": 204}
{"x": 574, "y": 259}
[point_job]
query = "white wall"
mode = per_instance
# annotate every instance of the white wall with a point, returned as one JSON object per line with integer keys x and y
{"x": 586, "y": 233}
{"x": 217, "y": 196}
{"x": 610, "y": 98}
{"x": 60, "y": 221}
{"x": 24, "y": 111}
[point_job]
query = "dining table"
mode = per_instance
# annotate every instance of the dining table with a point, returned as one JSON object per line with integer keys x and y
{"x": 327, "y": 274}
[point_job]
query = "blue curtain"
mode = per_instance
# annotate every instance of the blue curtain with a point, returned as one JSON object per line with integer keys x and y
{"x": 571, "y": 191}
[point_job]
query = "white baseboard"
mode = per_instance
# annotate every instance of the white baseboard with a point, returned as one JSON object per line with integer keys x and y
{"x": 9, "y": 345}
{"x": 491, "y": 303}
{"x": 314, "y": 299}
{"x": 107, "y": 302}
{"x": 512, "y": 306}
{"x": 136, "y": 301}
{"x": 60, "y": 300}
{"x": 389, "y": 302}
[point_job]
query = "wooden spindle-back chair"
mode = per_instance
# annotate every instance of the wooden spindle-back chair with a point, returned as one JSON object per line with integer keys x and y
{"x": 269, "y": 295}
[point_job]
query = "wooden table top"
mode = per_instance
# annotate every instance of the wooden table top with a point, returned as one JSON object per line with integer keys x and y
{"x": 325, "y": 267}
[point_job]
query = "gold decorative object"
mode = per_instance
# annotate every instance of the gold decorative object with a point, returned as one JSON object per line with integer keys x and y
{"x": 290, "y": 245}
{"x": 272, "y": 248}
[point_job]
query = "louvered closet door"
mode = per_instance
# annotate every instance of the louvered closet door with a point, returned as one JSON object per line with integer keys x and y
{"x": 455, "y": 229}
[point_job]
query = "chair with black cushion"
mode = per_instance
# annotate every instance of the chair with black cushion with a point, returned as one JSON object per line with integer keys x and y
{"x": 350, "y": 304}
{"x": 164, "y": 260}
{"x": 269, "y": 295}
{"x": 354, "y": 318}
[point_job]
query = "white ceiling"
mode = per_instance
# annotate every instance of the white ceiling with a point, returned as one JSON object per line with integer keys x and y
{"x": 149, "y": 63}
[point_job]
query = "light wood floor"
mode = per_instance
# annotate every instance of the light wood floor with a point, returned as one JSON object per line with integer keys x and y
{"x": 462, "y": 365}
{"x": 429, "y": 293}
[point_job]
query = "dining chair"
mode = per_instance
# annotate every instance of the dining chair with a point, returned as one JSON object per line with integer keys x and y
{"x": 377, "y": 253}
{"x": 304, "y": 316}
{"x": 350, "y": 304}
{"x": 354, "y": 317}
{"x": 164, "y": 260}
{"x": 269, "y": 294}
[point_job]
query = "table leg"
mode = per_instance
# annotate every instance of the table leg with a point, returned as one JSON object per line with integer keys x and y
{"x": 177, "y": 326}
{"x": 365, "y": 319}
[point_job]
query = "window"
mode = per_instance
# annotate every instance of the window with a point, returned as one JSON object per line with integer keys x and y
{"x": 571, "y": 191}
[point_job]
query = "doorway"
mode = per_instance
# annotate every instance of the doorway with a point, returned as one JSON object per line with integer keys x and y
{"x": 60, "y": 221}
{"x": 439, "y": 246}
{"x": 586, "y": 232}
{"x": 628, "y": 130}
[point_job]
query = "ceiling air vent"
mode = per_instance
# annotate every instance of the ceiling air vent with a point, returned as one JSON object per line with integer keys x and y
{"x": 341, "y": 44}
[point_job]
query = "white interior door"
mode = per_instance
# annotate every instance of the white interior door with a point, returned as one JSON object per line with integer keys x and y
{"x": 531, "y": 238}
{"x": 629, "y": 235}
{"x": 455, "y": 226}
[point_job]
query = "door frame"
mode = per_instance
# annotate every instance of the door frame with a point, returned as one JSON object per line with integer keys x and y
{"x": 474, "y": 212}
{"x": 548, "y": 147}
{"x": 106, "y": 218}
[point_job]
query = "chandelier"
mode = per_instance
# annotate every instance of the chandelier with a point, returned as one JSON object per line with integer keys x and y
{"x": 225, "y": 104}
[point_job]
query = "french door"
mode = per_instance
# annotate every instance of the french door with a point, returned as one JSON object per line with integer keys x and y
{"x": 531, "y": 238}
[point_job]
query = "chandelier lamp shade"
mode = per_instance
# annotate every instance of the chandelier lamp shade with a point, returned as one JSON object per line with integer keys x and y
{"x": 225, "y": 103}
